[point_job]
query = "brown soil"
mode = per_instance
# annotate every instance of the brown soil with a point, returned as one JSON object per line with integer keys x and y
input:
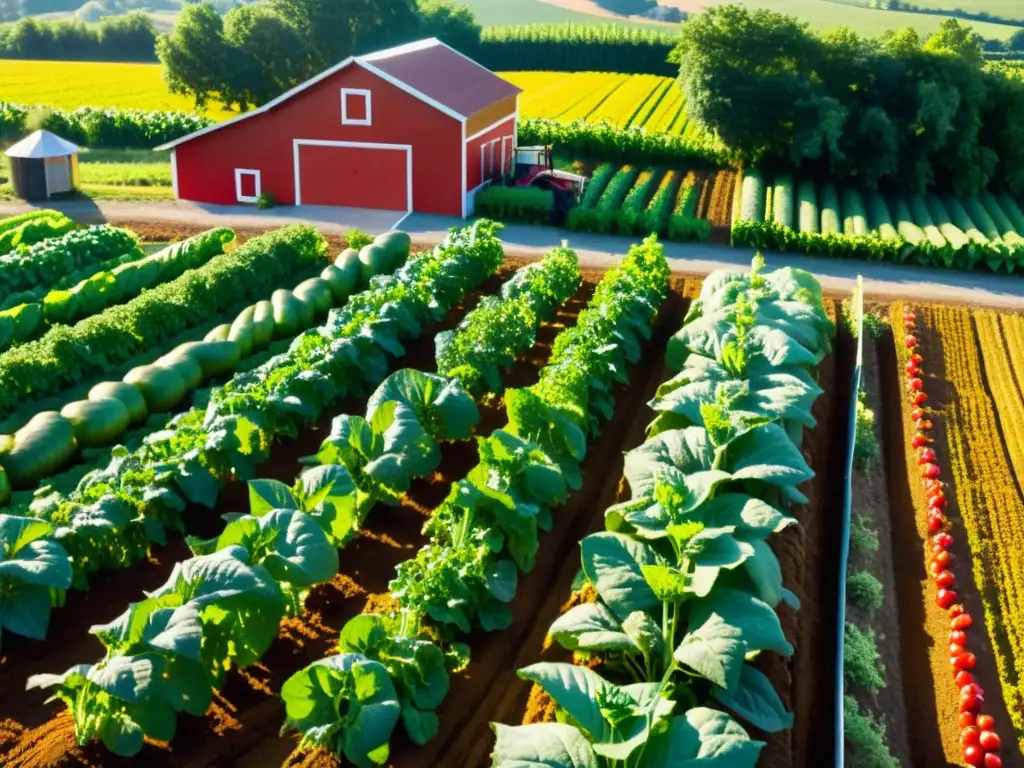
{"x": 871, "y": 500}
{"x": 924, "y": 627}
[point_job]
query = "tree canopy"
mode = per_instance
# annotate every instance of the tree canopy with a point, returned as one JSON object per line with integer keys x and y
{"x": 891, "y": 110}
{"x": 258, "y": 51}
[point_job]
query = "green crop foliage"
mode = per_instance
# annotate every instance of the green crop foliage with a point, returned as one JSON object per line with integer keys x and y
{"x": 863, "y": 538}
{"x": 865, "y": 737}
{"x": 861, "y": 664}
{"x": 864, "y": 591}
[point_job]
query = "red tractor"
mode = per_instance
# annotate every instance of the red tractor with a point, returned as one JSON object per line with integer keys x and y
{"x": 533, "y": 168}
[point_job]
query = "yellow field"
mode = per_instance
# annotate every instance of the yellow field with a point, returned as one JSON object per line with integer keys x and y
{"x": 71, "y": 84}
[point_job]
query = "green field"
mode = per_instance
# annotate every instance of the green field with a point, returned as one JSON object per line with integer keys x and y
{"x": 1008, "y": 9}
{"x": 828, "y": 14}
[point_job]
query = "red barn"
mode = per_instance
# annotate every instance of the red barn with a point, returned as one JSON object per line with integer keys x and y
{"x": 416, "y": 128}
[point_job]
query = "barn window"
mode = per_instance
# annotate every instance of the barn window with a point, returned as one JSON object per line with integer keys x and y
{"x": 355, "y": 106}
{"x": 247, "y": 185}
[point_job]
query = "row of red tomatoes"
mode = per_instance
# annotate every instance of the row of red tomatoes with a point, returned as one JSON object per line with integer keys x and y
{"x": 978, "y": 739}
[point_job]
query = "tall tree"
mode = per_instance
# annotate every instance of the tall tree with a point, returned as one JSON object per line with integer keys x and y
{"x": 956, "y": 39}
{"x": 272, "y": 55}
{"x": 197, "y": 60}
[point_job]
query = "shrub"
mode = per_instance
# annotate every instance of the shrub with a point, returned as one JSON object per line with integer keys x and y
{"x": 864, "y": 591}
{"x": 863, "y": 538}
{"x": 865, "y": 442}
{"x": 266, "y": 200}
{"x": 356, "y": 238}
{"x": 866, "y": 736}
{"x": 861, "y": 664}
{"x": 524, "y": 205}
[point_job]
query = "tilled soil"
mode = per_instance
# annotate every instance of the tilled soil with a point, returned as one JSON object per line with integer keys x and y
{"x": 871, "y": 500}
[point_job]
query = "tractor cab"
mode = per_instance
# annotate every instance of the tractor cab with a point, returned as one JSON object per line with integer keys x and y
{"x": 534, "y": 168}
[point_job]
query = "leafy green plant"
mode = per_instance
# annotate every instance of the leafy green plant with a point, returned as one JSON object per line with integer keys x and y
{"x": 42, "y": 264}
{"x": 605, "y": 214}
{"x": 865, "y": 443}
{"x": 266, "y": 200}
{"x": 686, "y": 583}
{"x": 861, "y": 664}
{"x": 865, "y": 737}
{"x": 357, "y": 238}
{"x": 31, "y": 228}
{"x": 487, "y": 530}
{"x": 500, "y": 328}
{"x": 863, "y": 538}
{"x": 523, "y": 205}
{"x": 683, "y": 224}
{"x": 31, "y": 565}
{"x": 864, "y": 591}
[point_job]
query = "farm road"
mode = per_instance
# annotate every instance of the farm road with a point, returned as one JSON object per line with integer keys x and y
{"x": 881, "y": 280}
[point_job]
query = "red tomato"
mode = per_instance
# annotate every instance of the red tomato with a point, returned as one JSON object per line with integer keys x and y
{"x": 943, "y": 539}
{"x": 912, "y": 369}
{"x": 935, "y": 523}
{"x": 963, "y": 677}
{"x": 934, "y": 569}
{"x": 992, "y": 760}
{"x": 934, "y": 549}
{"x": 918, "y": 441}
{"x": 926, "y": 456}
{"x": 963, "y": 661}
{"x": 930, "y": 470}
{"x": 956, "y": 650}
{"x": 990, "y": 741}
{"x": 967, "y": 718}
{"x": 986, "y": 722}
{"x": 924, "y": 425}
{"x": 971, "y": 703}
{"x": 963, "y": 621}
{"x": 974, "y": 755}
{"x": 910, "y": 341}
{"x": 943, "y": 558}
{"x": 917, "y": 358}
{"x": 946, "y": 598}
{"x": 955, "y": 611}
{"x": 972, "y": 689}
{"x": 970, "y": 735}
{"x": 959, "y": 637}
{"x": 937, "y": 502}
{"x": 945, "y": 579}
{"x": 915, "y": 384}
{"x": 917, "y": 413}
{"x": 920, "y": 398}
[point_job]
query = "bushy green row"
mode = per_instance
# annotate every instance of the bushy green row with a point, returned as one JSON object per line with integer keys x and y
{"x": 31, "y": 228}
{"x": 107, "y": 287}
{"x": 683, "y": 225}
{"x": 66, "y": 355}
{"x": 41, "y": 265}
{"x": 522, "y": 205}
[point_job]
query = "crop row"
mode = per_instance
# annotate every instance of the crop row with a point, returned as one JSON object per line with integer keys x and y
{"x": 987, "y": 494}
{"x": 288, "y": 543}
{"x": 31, "y": 227}
{"x": 50, "y": 440}
{"x": 683, "y": 583}
{"x": 116, "y": 512}
{"x": 972, "y": 232}
{"x": 104, "y": 287}
{"x": 66, "y": 355}
{"x": 979, "y": 742}
{"x": 629, "y": 201}
{"x": 483, "y": 534}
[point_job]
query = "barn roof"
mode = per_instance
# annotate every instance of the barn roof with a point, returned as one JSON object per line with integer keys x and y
{"x": 42, "y": 143}
{"x": 427, "y": 69}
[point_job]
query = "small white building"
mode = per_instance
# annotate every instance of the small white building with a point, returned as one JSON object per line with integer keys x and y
{"x": 43, "y": 165}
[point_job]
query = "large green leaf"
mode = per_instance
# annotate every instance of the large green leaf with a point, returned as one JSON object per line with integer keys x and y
{"x": 441, "y": 405}
{"x": 25, "y": 610}
{"x": 702, "y": 738}
{"x": 765, "y": 573}
{"x": 265, "y": 495}
{"x": 543, "y": 745}
{"x": 715, "y": 649}
{"x": 766, "y": 454}
{"x": 613, "y": 564}
{"x": 752, "y": 518}
{"x": 576, "y": 690}
{"x": 300, "y": 553}
{"x": 591, "y": 627}
{"x": 178, "y": 631}
{"x": 757, "y": 623}
{"x": 755, "y": 700}
{"x": 329, "y": 495}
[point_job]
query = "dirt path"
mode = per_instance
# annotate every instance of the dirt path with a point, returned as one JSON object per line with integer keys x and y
{"x": 881, "y": 280}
